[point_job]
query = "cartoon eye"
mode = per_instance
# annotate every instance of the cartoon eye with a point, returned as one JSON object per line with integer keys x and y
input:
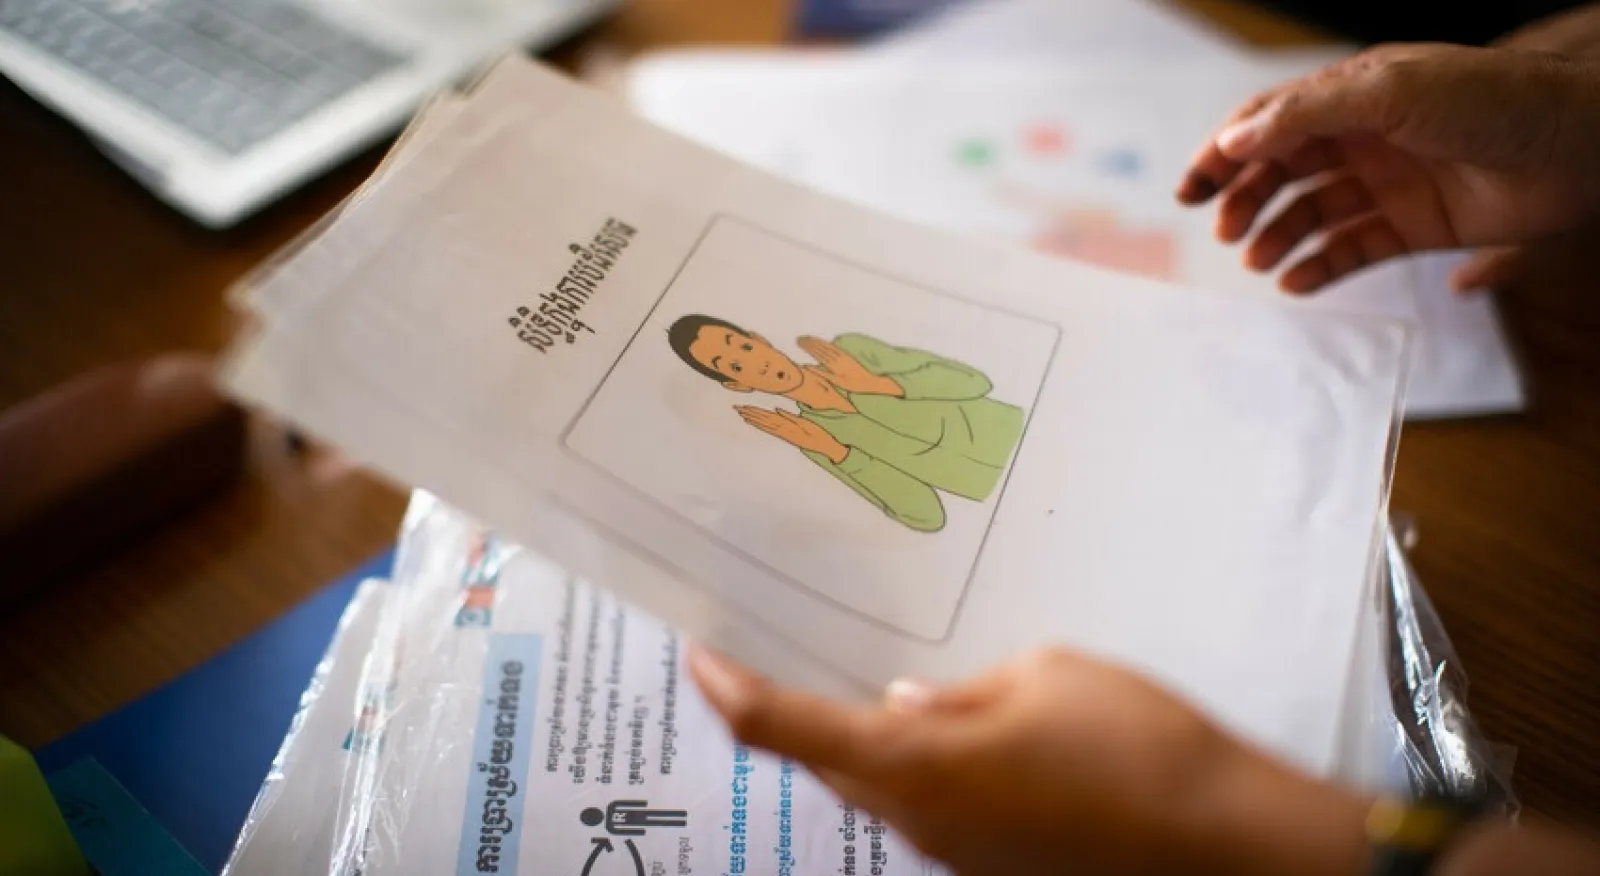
{"x": 746, "y": 347}
{"x": 735, "y": 368}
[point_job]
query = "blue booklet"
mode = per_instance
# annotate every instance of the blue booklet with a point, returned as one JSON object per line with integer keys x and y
{"x": 193, "y": 754}
{"x": 858, "y": 18}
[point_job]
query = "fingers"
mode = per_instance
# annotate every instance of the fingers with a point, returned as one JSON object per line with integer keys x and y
{"x": 773, "y": 422}
{"x": 1355, "y": 96}
{"x": 765, "y": 420}
{"x": 787, "y": 416}
{"x": 916, "y": 696}
{"x": 1246, "y": 197}
{"x": 817, "y": 347}
{"x": 1326, "y": 206}
{"x": 1350, "y": 248}
{"x": 1260, "y": 182}
{"x": 1210, "y": 171}
{"x": 820, "y": 349}
{"x": 822, "y": 734}
{"x": 1487, "y": 269}
{"x": 784, "y": 420}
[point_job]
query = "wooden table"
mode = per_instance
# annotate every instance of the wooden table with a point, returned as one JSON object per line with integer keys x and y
{"x": 94, "y": 270}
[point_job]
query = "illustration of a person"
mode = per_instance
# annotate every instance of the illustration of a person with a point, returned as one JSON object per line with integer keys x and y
{"x": 632, "y": 817}
{"x": 897, "y": 425}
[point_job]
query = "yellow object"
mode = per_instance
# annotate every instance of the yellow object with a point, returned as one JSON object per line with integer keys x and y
{"x": 34, "y": 840}
{"x": 1413, "y": 828}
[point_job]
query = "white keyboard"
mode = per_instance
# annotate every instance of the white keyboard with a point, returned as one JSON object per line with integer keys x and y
{"x": 230, "y": 72}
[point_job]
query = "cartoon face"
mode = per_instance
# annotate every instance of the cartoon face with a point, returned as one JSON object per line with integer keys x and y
{"x": 745, "y": 362}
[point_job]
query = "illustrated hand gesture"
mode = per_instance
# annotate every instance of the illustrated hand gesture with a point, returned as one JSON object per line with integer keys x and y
{"x": 844, "y": 371}
{"x": 802, "y": 433}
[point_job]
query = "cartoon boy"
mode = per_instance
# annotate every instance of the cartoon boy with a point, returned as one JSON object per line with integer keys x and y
{"x": 895, "y": 424}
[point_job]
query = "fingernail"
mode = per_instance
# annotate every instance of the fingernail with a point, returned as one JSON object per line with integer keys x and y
{"x": 1464, "y": 281}
{"x": 1295, "y": 287}
{"x": 1242, "y": 136}
{"x": 907, "y": 695}
{"x": 720, "y": 680}
{"x": 1196, "y": 189}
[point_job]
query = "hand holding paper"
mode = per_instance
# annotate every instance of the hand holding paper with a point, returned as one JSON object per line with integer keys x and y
{"x": 1076, "y": 457}
{"x": 1051, "y": 762}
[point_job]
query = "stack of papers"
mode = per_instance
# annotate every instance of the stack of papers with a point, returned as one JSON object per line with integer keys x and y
{"x": 894, "y": 362}
{"x": 1061, "y": 126}
{"x": 485, "y": 712}
{"x": 842, "y": 446}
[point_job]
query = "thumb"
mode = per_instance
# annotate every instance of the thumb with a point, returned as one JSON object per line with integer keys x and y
{"x": 915, "y": 695}
{"x": 1487, "y": 269}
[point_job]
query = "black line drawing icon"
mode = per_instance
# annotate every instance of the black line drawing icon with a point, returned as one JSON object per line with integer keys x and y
{"x": 633, "y": 817}
{"x": 603, "y": 845}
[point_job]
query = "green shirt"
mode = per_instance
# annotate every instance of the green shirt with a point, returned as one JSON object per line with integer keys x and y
{"x": 944, "y": 434}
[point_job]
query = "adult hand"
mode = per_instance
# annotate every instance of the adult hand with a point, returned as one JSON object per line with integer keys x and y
{"x": 1053, "y": 763}
{"x": 1414, "y": 147}
{"x": 1575, "y": 33}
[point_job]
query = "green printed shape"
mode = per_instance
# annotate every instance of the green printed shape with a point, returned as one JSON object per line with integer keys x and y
{"x": 33, "y": 836}
{"x": 975, "y": 153}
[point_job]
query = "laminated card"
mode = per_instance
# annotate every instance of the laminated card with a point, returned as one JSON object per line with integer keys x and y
{"x": 843, "y": 447}
{"x": 1072, "y": 157}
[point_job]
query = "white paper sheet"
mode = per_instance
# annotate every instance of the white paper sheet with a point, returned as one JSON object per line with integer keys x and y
{"x": 1075, "y": 159}
{"x": 1052, "y": 28}
{"x": 1187, "y": 482}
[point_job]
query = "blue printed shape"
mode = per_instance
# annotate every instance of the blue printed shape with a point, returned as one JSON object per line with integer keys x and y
{"x": 1122, "y": 162}
{"x": 491, "y": 827}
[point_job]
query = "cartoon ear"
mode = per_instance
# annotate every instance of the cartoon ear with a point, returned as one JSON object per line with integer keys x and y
{"x": 735, "y": 386}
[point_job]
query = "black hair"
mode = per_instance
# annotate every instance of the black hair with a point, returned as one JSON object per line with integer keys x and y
{"x": 687, "y": 329}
